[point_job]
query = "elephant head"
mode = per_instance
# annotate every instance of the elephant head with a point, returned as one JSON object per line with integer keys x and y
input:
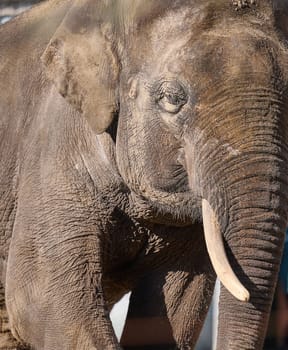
{"x": 198, "y": 92}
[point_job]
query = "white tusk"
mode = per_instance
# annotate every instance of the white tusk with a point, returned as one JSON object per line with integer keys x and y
{"x": 216, "y": 251}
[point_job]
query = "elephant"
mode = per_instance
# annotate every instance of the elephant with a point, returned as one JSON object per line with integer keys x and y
{"x": 143, "y": 148}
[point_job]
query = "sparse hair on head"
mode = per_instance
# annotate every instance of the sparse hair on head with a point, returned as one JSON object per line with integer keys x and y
{"x": 240, "y": 4}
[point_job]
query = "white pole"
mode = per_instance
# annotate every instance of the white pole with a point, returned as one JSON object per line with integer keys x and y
{"x": 215, "y": 313}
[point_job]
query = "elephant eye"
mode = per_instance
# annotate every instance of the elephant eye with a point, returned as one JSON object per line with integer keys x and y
{"x": 172, "y": 97}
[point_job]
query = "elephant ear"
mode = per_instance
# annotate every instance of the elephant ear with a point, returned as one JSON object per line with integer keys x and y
{"x": 81, "y": 61}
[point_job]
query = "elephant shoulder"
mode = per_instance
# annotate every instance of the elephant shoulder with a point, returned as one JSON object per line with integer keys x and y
{"x": 22, "y": 42}
{"x": 32, "y": 28}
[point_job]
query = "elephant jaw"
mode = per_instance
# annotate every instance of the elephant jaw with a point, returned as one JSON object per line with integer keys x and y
{"x": 218, "y": 257}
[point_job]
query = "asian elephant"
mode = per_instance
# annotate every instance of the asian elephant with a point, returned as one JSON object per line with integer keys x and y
{"x": 134, "y": 134}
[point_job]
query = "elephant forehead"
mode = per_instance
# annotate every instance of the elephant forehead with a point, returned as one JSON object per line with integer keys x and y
{"x": 175, "y": 25}
{"x": 215, "y": 53}
{"x": 171, "y": 37}
{"x": 202, "y": 44}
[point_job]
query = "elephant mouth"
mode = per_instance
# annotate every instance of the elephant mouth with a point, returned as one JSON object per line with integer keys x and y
{"x": 174, "y": 209}
{"x": 178, "y": 210}
{"x": 217, "y": 254}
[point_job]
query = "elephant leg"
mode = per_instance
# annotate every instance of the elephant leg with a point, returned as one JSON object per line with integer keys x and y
{"x": 167, "y": 310}
{"x": 168, "y": 307}
{"x": 54, "y": 293}
{"x": 147, "y": 323}
{"x": 187, "y": 303}
{"x": 7, "y": 341}
{"x": 188, "y": 290}
{"x": 65, "y": 309}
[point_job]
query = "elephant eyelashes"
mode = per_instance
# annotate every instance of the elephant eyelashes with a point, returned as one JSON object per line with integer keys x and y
{"x": 172, "y": 97}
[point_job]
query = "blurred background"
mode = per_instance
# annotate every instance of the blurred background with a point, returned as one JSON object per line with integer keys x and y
{"x": 10, "y": 8}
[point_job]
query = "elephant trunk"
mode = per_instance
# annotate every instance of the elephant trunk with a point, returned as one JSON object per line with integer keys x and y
{"x": 244, "y": 237}
{"x": 254, "y": 246}
{"x": 241, "y": 179}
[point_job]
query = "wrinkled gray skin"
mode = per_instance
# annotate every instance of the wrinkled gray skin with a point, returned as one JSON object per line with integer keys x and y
{"x": 117, "y": 118}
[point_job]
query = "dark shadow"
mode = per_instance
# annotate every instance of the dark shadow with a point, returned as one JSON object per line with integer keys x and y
{"x": 147, "y": 326}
